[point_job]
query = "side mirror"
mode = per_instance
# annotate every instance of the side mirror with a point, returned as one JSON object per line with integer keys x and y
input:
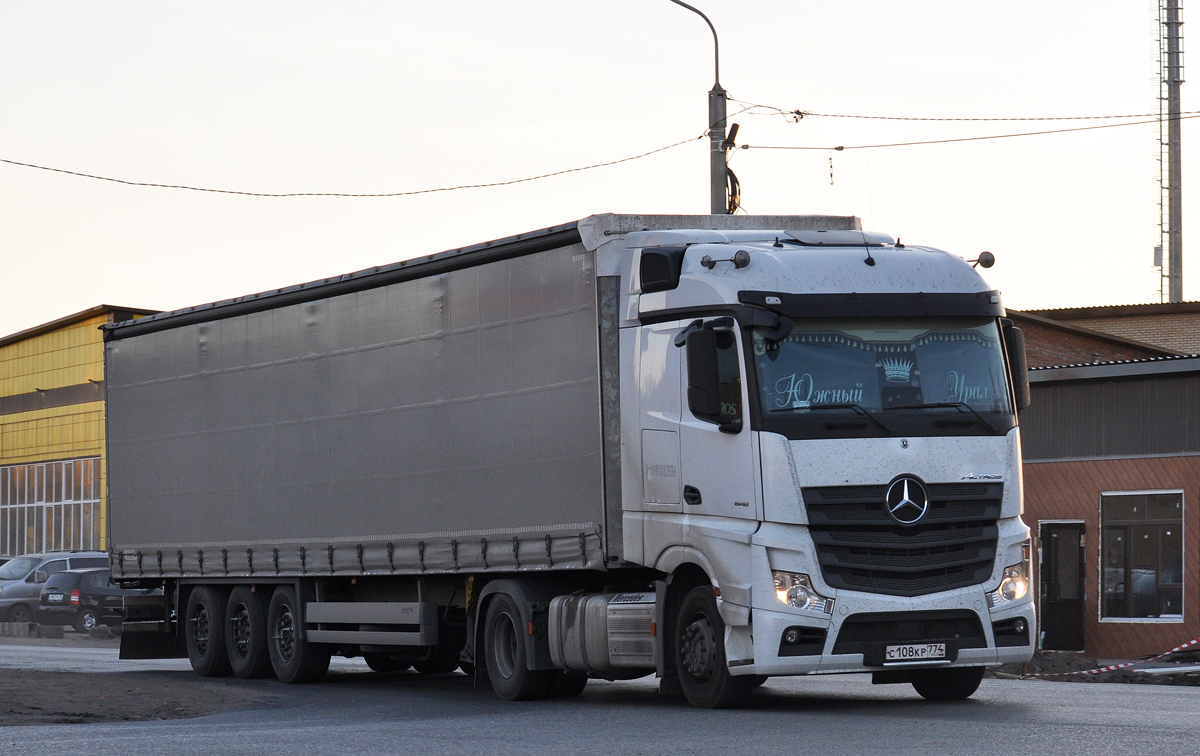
{"x": 704, "y": 388}
{"x": 1014, "y": 344}
{"x": 41, "y": 576}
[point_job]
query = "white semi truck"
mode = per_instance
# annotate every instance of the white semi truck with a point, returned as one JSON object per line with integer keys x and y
{"x": 712, "y": 448}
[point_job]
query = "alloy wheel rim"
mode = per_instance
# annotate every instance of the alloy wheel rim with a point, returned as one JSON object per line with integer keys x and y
{"x": 241, "y": 630}
{"x": 200, "y": 630}
{"x": 285, "y": 634}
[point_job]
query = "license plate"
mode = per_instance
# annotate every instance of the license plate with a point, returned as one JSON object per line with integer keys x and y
{"x": 54, "y": 598}
{"x": 915, "y": 652}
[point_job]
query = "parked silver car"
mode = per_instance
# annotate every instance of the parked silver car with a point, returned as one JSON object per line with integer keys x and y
{"x": 22, "y": 578}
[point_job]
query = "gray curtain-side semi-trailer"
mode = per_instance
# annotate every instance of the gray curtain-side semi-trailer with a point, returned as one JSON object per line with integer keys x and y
{"x": 431, "y": 423}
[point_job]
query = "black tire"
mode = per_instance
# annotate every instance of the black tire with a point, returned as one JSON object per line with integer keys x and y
{"x": 246, "y": 634}
{"x": 86, "y": 621}
{"x": 567, "y": 685}
{"x": 504, "y": 646}
{"x": 947, "y": 684}
{"x": 700, "y": 654}
{"x": 385, "y": 663}
{"x": 19, "y": 613}
{"x": 293, "y": 658}
{"x": 204, "y": 632}
{"x": 757, "y": 680}
{"x": 444, "y": 661}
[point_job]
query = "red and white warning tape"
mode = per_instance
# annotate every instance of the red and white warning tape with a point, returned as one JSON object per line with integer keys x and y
{"x": 1114, "y": 667}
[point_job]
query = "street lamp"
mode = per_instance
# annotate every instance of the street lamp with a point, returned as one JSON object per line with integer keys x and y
{"x": 718, "y": 203}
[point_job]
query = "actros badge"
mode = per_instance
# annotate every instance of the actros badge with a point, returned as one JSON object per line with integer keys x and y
{"x": 907, "y": 501}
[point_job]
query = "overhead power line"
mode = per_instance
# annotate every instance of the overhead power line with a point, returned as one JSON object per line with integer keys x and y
{"x": 797, "y": 115}
{"x": 347, "y": 194}
{"x": 839, "y": 148}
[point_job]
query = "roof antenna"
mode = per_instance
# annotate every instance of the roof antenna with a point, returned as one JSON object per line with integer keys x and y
{"x": 870, "y": 260}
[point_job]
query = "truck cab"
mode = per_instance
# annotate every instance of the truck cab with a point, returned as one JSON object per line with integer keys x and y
{"x": 824, "y": 425}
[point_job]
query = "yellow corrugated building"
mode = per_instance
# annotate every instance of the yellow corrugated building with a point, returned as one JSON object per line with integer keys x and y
{"x": 52, "y": 472}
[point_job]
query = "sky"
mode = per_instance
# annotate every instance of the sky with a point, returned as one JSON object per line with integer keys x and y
{"x": 360, "y": 96}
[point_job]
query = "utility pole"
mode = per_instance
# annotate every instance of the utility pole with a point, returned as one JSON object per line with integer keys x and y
{"x": 1171, "y": 205}
{"x": 718, "y": 199}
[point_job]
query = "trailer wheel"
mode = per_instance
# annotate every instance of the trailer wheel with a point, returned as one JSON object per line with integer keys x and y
{"x": 204, "y": 632}
{"x": 293, "y": 658}
{"x": 507, "y": 664}
{"x": 700, "y": 654}
{"x": 384, "y": 663}
{"x": 946, "y": 684}
{"x": 246, "y": 634}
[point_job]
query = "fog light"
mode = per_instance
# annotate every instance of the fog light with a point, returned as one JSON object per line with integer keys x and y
{"x": 795, "y": 589}
{"x": 791, "y": 636}
{"x": 1019, "y": 625}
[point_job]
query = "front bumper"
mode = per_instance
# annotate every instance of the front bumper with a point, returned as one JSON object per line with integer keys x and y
{"x": 854, "y": 636}
{"x": 772, "y": 657}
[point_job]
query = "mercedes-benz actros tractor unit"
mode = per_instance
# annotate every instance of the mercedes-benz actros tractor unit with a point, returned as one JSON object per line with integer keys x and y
{"x": 711, "y": 448}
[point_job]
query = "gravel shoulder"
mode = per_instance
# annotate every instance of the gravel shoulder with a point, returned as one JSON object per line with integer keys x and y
{"x": 35, "y": 698}
{"x": 38, "y": 697}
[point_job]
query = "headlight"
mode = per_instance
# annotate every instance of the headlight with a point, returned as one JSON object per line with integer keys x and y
{"x": 795, "y": 589}
{"x": 1015, "y": 584}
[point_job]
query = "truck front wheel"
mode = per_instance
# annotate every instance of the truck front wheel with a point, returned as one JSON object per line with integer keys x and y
{"x": 507, "y": 662}
{"x": 204, "y": 632}
{"x": 947, "y": 684}
{"x": 293, "y": 658}
{"x": 700, "y": 654}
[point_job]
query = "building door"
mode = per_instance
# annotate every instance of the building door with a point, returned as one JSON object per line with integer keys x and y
{"x": 1062, "y": 585}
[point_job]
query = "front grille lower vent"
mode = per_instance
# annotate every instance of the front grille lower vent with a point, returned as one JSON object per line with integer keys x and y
{"x": 861, "y": 548}
{"x": 860, "y": 632}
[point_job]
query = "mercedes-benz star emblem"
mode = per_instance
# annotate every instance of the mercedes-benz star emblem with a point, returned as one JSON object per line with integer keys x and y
{"x": 906, "y": 500}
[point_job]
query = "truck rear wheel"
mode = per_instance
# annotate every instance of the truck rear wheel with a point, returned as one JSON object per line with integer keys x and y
{"x": 947, "y": 684}
{"x": 246, "y": 634}
{"x": 293, "y": 658}
{"x": 700, "y": 654}
{"x": 204, "y": 632}
{"x": 507, "y": 663}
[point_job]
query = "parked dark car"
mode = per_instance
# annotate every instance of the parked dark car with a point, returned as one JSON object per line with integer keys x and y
{"x": 22, "y": 578}
{"x": 83, "y": 598}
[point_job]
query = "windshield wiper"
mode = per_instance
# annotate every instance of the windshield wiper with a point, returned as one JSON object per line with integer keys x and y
{"x": 950, "y": 405}
{"x": 860, "y": 410}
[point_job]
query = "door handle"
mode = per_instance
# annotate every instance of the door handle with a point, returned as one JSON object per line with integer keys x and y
{"x": 691, "y": 495}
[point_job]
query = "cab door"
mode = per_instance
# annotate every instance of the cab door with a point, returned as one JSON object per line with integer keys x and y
{"x": 716, "y": 444}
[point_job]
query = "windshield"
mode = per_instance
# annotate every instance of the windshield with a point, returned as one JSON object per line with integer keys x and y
{"x": 17, "y": 568}
{"x": 934, "y": 366}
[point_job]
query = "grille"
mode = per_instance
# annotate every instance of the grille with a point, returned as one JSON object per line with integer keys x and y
{"x": 861, "y": 548}
{"x": 859, "y": 631}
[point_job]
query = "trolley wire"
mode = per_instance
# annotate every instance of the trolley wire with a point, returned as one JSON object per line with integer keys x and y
{"x": 840, "y": 148}
{"x": 349, "y": 194}
{"x": 797, "y": 115}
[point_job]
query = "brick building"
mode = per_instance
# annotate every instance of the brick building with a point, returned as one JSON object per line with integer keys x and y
{"x": 1050, "y": 342}
{"x": 1174, "y": 326}
{"x": 1112, "y": 484}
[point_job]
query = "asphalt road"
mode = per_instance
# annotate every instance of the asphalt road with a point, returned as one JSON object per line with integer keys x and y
{"x": 356, "y": 712}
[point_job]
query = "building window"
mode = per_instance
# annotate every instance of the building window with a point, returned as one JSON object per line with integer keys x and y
{"x": 48, "y": 506}
{"x": 1142, "y": 576}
